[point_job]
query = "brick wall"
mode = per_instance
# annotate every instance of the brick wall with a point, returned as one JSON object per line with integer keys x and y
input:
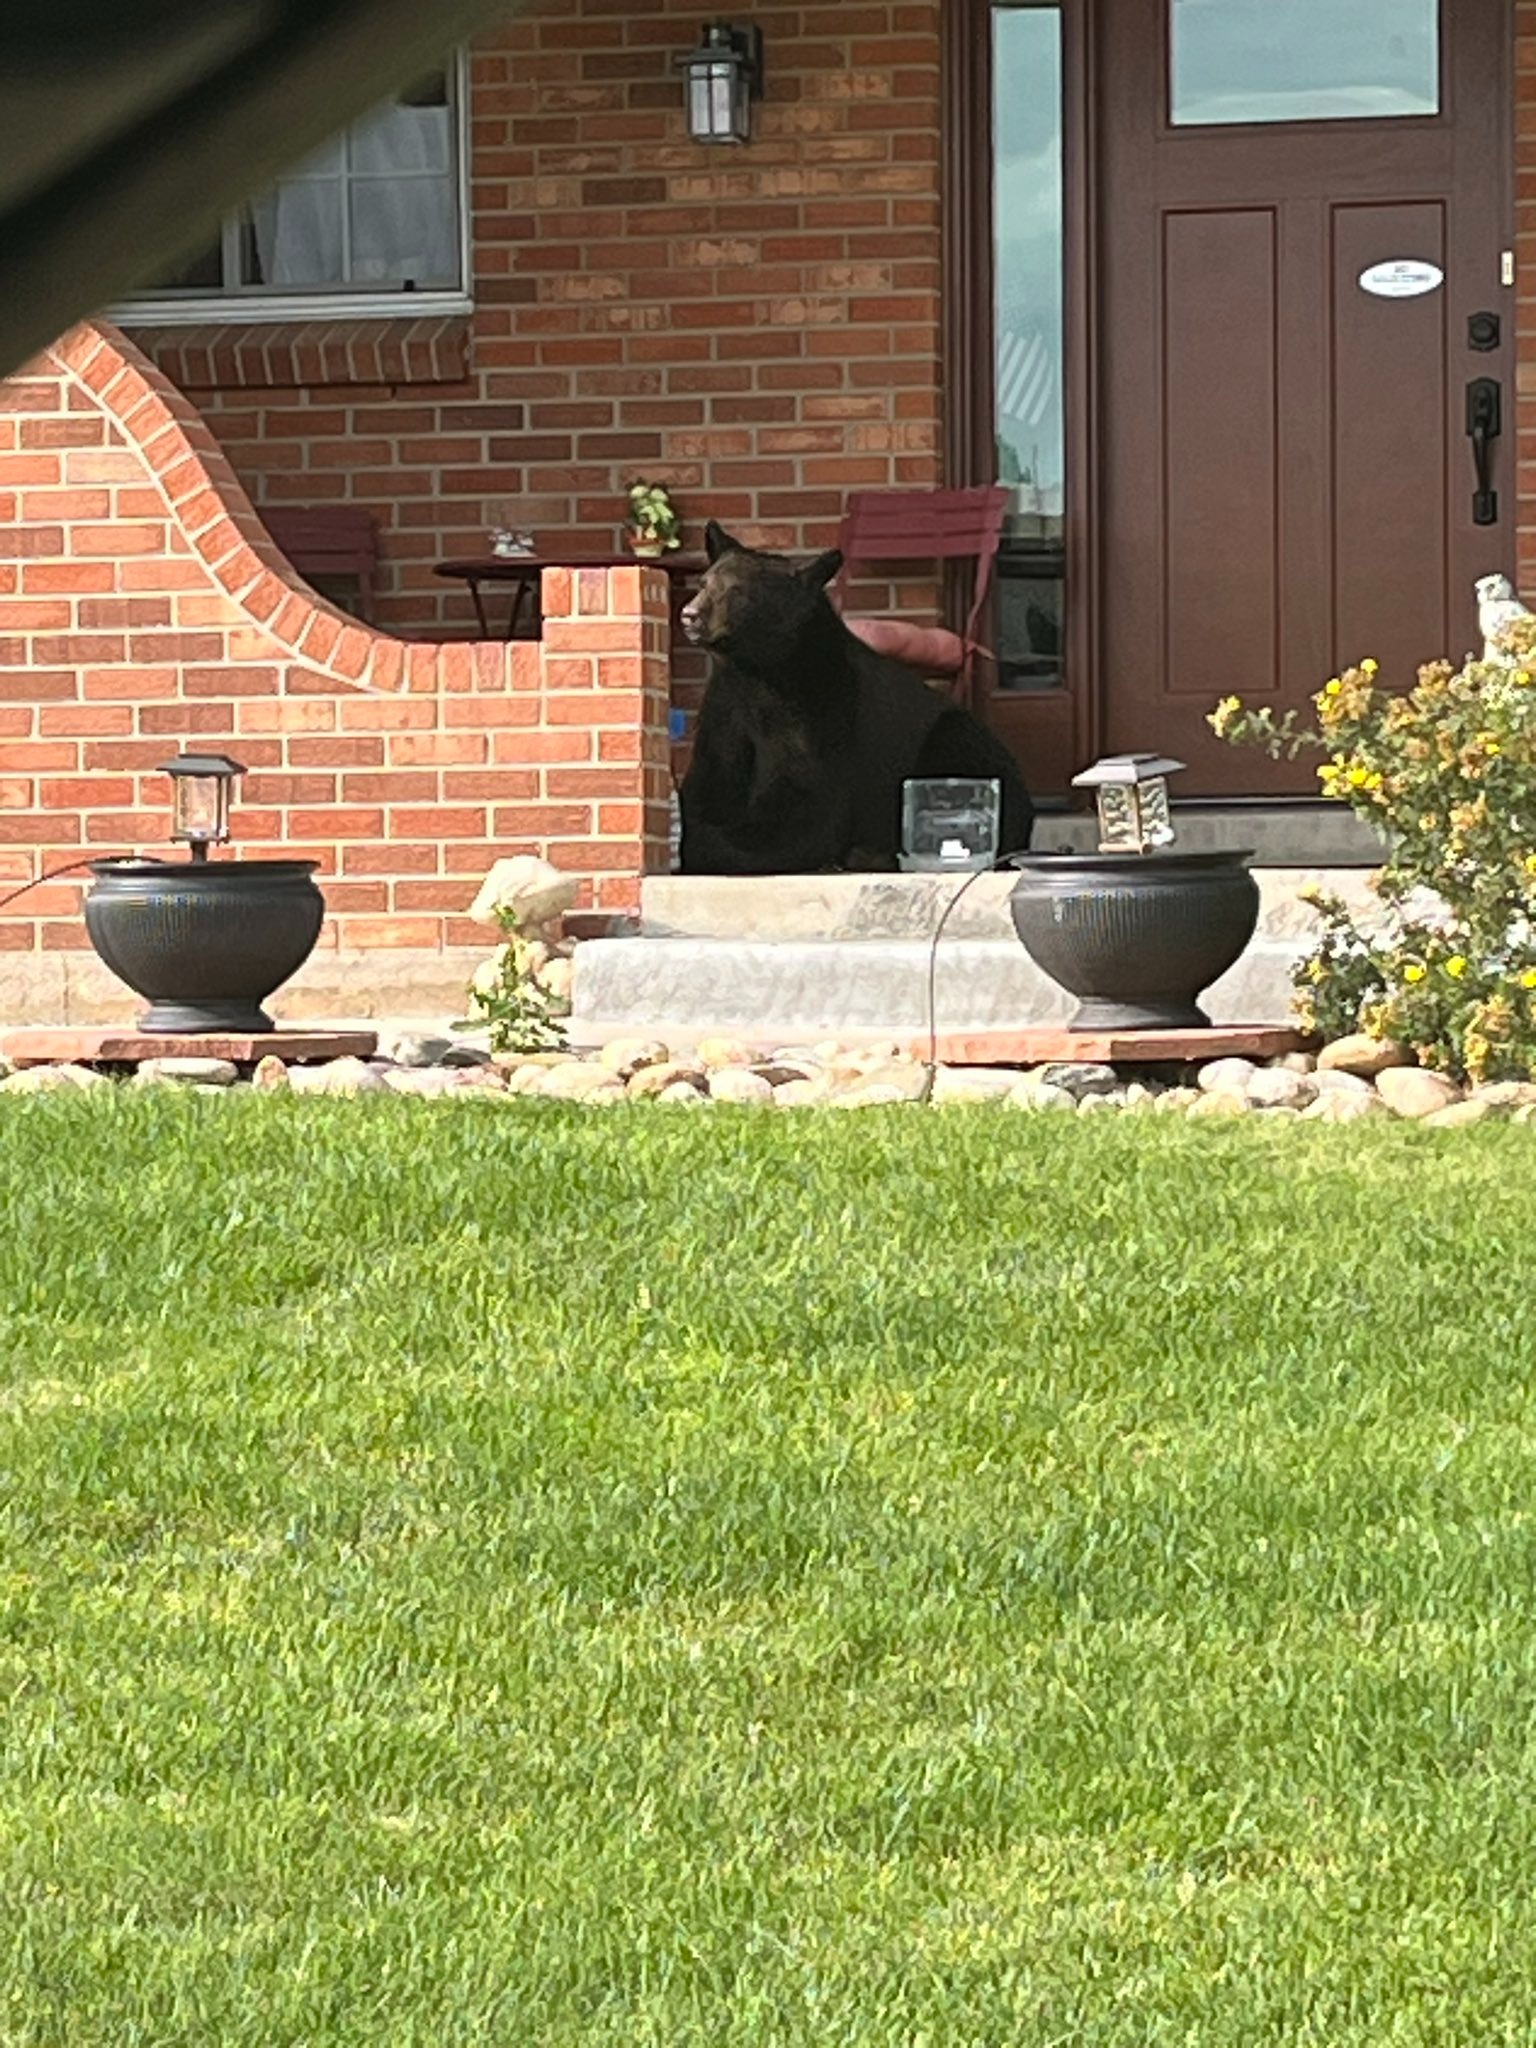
{"x": 756, "y": 328}
{"x": 142, "y": 607}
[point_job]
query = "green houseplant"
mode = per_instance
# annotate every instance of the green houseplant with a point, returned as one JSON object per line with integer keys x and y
{"x": 1447, "y": 771}
{"x": 652, "y": 522}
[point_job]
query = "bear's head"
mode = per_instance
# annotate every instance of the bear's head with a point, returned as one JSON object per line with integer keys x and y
{"x": 757, "y": 609}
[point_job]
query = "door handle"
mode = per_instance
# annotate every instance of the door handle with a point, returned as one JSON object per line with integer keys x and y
{"x": 1484, "y": 425}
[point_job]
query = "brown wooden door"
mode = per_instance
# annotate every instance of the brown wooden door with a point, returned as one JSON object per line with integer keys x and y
{"x": 1285, "y": 475}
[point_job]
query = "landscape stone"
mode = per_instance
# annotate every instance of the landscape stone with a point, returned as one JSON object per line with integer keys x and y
{"x": 1296, "y": 1062}
{"x": 1279, "y": 1088}
{"x": 1359, "y": 1053}
{"x": 1173, "y": 1100}
{"x": 1506, "y": 1096}
{"x": 418, "y": 1049}
{"x": 557, "y": 977}
{"x": 1473, "y": 1110}
{"x": 462, "y": 1057}
{"x": 777, "y": 1072}
{"x": 44, "y": 1080}
{"x": 568, "y": 1083}
{"x": 533, "y": 889}
{"x": 680, "y": 1093}
{"x": 1340, "y": 1106}
{"x": 270, "y": 1074}
{"x": 873, "y": 1095}
{"x": 1220, "y": 1102}
{"x": 1091, "y": 1105}
{"x": 909, "y": 1080}
{"x": 740, "y": 1085}
{"x": 1078, "y": 1077}
{"x": 799, "y": 1094}
{"x": 1229, "y": 1076}
{"x": 1334, "y": 1081}
{"x": 629, "y": 1056}
{"x": 345, "y": 1077}
{"x": 434, "y": 1081}
{"x": 1415, "y": 1091}
{"x": 651, "y": 1081}
{"x": 189, "y": 1071}
{"x": 1032, "y": 1094}
{"x": 724, "y": 1052}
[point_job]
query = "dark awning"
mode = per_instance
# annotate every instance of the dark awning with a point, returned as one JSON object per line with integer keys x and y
{"x": 128, "y": 128}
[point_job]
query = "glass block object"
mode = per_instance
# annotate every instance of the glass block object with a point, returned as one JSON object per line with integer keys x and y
{"x": 949, "y": 825}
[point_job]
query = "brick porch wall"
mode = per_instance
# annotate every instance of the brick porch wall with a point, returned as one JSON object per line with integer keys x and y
{"x": 142, "y": 607}
{"x": 757, "y": 328}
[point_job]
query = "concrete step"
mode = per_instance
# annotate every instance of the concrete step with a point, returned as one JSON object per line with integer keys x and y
{"x": 794, "y": 955}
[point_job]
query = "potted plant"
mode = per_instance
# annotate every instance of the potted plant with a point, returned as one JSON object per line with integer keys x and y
{"x": 652, "y": 523}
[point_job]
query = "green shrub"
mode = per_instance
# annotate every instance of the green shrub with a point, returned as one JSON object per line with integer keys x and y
{"x": 1448, "y": 772}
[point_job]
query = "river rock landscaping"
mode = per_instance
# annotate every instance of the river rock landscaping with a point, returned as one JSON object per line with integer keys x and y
{"x": 1348, "y": 1081}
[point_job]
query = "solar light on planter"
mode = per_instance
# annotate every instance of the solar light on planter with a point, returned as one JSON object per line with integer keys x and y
{"x": 949, "y": 825}
{"x": 205, "y": 941}
{"x": 200, "y": 785}
{"x": 1131, "y": 791}
{"x": 723, "y": 77}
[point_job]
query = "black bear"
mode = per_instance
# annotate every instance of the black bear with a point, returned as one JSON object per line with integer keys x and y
{"x": 805, "y": 735}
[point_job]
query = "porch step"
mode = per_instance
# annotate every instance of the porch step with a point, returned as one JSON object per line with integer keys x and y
{"x": 794, "y": 955}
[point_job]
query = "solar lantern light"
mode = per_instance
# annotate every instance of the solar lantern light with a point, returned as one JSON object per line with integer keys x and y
{"x": 723, "y": 76}
{"x": 201, "y": 785}
{"x": 1131, "y": 791}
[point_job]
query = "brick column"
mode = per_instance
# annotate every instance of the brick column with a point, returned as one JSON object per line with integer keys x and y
{"x": 605, "y": 711}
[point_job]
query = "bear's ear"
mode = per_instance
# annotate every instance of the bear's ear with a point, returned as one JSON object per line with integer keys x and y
{"x": 718, "y": 542}
{"x": 820, "y": 572}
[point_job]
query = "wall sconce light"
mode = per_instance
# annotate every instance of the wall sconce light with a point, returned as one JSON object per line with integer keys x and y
{"x": 1131, "y": 791}
{"x": 723, "y": 77}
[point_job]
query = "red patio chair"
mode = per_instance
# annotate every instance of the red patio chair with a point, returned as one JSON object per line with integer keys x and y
{"x": 329, "y": 543}
{"x": 928, "y": 526}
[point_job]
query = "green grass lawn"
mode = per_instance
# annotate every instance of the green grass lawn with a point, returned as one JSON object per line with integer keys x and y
{"x": 494, "y": 1573}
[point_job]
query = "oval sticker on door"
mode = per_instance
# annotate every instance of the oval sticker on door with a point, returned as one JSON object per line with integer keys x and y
{"x": 1402, "y": 278}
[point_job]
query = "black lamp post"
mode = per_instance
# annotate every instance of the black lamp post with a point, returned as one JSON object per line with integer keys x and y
{"x": 723, "y": 77}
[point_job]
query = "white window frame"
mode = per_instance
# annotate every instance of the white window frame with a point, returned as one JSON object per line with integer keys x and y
{"x": 199, "y": 309}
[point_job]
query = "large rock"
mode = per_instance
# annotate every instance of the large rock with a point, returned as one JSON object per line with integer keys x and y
{"x": 652, "y": 1081}
{"x": 739, "y": 1084}
{"x": 189, "y": 1071}
{"x": 1504, "y": 1097}
{"x": 1361, "y": 1054}
{"x": 1042, "y": 1095}
{"x": 1334, "y": 1081}
{"x": 1225, "y": 1077}
{"x": 44, "y": 1080}
{"x": 1078, "y": 1077}
{"x": 1279, "y": 1088}
{"x": 1456, "y": 1114}
{"x": 684, "y": 1096}
{"x": 433, "y": 1081}
{"x": 345, "y": 1077}
{"x": 1220, "y": 1102}
{"x": 1338, "y": 1106}
{"x": 271, "y": 1075}
{"x": 724, "y": 1052}
{"x": 1415, "y": 1092}
{"x": 417, "y": 1049}
{"x": 800, "y": 1094}
{"x": 627, "y": 1056}
{"x": 573, "y": 1080}
{"x": 534, "y": 890}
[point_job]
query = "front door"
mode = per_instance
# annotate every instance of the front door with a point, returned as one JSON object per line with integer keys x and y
{"x": 1301, "y": 223}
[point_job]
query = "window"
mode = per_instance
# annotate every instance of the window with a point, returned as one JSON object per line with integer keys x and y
{"x": 1028, "y": 390}
{"x": 371, "y": 219}
{"x": 1304, "y": 60}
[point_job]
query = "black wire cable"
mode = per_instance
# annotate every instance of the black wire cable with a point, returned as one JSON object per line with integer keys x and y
{"x": 931, "y": 1064}
{"x": 71, "y": 868}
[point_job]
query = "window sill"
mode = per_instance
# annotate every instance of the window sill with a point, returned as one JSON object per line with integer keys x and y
{"x": 216, "y": 310}
{"x": 232, "y": 352}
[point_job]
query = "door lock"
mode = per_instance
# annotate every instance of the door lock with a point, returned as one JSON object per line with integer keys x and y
{"x": 1483, "y": 332}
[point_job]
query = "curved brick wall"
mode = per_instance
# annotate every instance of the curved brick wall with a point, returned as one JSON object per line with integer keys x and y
{"x": 143, "y": 606}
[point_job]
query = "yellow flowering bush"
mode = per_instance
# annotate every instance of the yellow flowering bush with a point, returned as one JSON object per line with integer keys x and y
{"x": 1447, "y": 772}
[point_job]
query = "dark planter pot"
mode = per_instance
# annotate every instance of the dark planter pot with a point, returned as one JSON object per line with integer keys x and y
{"x": 1135, "y": 937}
{"x": 204, "y": 941}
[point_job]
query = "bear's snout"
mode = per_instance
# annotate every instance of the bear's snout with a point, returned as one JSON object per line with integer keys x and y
{"x": 692, "y": 621}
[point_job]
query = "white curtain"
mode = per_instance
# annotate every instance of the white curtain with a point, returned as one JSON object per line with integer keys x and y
{"x": 396, "y": 179}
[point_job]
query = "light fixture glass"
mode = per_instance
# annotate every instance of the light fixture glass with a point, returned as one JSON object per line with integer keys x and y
{"x": 201, "y": 785}
{"x": 1131, "y": 791}
{"x": 949, "y": 824}
{"x": 724, "y": 75}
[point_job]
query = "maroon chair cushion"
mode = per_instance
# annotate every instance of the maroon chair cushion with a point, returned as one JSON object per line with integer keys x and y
{"x": 933, "y": 649}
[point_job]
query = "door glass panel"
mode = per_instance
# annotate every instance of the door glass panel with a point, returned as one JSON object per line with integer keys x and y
{"x": 1304, "y": 60}
{"x": 1028, "y": 388}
